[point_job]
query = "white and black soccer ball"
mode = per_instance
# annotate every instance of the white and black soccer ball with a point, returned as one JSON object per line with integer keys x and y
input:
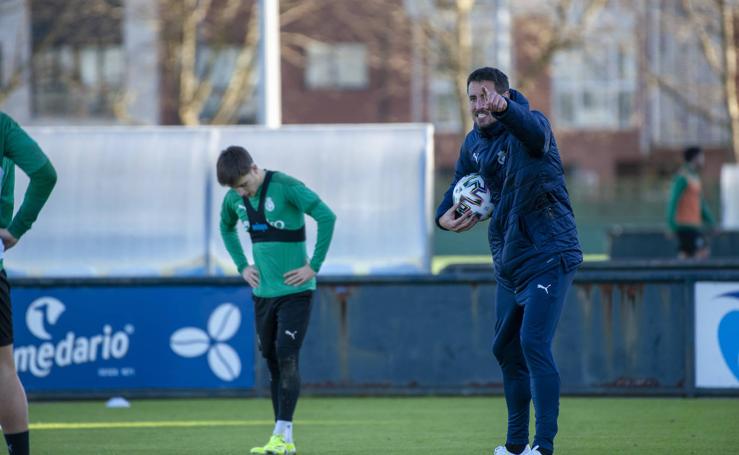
{"x": 472, "y": 194}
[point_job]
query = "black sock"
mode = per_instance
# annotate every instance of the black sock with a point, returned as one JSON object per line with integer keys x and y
{"x": 18, "y": 443}
{"x": 515, "y": 448}
{"x": 545, "y": 451}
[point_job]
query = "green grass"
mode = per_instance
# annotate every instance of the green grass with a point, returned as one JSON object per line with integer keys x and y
{"x": 377, "y": 426}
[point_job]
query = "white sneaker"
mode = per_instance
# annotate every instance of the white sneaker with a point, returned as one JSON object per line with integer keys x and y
{"x": 535, "y": 451}
{"x": 501, "y": 450}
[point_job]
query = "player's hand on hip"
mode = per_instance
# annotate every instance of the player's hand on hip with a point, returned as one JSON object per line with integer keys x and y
{"x": 251, "y": 276}
{"x": 8, "y": 240}
{"x": 458, "y": 223}
{"x": 494, "y": 102}
{"x": 299, "y": 276}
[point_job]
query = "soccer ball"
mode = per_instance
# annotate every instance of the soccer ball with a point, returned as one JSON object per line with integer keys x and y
{"x": 472, "y": 194}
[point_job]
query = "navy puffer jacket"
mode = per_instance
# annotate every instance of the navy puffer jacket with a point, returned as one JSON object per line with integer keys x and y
{"x": 532, "y": 228}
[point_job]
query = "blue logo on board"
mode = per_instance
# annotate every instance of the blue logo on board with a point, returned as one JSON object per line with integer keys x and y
{"x": 728, "y": 336}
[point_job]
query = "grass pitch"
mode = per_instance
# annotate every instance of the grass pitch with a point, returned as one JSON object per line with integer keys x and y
{"x": 376, "y": 426}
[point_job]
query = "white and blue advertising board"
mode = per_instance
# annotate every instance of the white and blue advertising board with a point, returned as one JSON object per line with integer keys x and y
{"x": 134, "y": 337}
{"x": 717, "y": 335}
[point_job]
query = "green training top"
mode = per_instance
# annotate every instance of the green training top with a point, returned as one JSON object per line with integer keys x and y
{"x": 17, "y": 148}
{"x": 286, "y": 202}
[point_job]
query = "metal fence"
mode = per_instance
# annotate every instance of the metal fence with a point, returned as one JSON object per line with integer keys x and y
{"x": 627, "y": 328}
{"x": 145, "y": 201}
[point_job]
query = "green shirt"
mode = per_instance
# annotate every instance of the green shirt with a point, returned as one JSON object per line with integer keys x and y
{"x": 18, "y": 149}
{"x": 287, "y": 201}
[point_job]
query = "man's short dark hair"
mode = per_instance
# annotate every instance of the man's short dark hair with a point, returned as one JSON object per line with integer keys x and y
{"x": 690, "y": 153}
{"x": 494, "y": 75}
{"x": 233, "y": 163}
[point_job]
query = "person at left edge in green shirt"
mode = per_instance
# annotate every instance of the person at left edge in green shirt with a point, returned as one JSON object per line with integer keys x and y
{"x": 17, "y": 148}
{"x": 271, "y": 206}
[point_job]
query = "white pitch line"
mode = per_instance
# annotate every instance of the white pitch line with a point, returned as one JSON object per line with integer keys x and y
{"x": 178, "y": 424}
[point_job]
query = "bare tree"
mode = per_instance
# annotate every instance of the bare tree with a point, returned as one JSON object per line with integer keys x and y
{"x": 196, "y": 37}
{"x": 209, "y": 49}
{"x": 197, "y": 34}
{"x": 60, "y": 23}
{"x": 551, "y": 27}
{"x": 709, "y": 25}
{"x": 382, "y": 26}
{"x": 447, "y": 42}
{"x": 548, "y": 27}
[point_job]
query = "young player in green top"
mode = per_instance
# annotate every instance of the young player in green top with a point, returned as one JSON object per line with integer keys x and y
{"x": 271, "y": 206}
{"x": 687, "y": 210}
{"x": 17, "y": 148}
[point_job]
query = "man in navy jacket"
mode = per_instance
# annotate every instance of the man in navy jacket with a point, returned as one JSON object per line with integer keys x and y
{"x": 533, "y": 240}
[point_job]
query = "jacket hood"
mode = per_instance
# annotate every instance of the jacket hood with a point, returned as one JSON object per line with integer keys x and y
{"x": 519, "y": 98}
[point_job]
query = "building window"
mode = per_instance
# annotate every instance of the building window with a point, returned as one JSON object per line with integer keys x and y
{"x": 444, "y": 106}
{"x": 594, "y": 86}
{"x": 677, "y": 57}
{"x": 79, "y": 81}
{"x": 78, "y": 64}
{"x": 217, "y": 66}
{"x": 489, "y": 18}
{"x": 337, "y": 66}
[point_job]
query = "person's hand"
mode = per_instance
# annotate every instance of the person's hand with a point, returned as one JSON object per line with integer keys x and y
{"x": 251, "y": 276}
{"x": 493, "y": 101}
{"x": 451, "y": 222}
{"x": 299, "y": 276}
{"x": 8, "y": 240}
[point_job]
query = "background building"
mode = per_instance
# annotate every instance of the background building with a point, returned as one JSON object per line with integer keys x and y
{"x": 626, "y": 84}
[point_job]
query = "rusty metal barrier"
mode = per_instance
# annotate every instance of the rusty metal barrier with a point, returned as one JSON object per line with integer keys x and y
{"x": 627, "y": 329}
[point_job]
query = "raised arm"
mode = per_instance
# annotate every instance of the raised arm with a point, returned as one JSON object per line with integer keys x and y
{"x": 529, "y": 127}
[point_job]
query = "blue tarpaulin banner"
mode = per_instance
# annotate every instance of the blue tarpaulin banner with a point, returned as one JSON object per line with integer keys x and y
{"x": 134, "y": 337}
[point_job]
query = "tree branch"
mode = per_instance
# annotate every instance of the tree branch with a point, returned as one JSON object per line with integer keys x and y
{"x": 676, "y": 92}
{"x": 710, "y": 52}
{"x": 241, "y": 81}
{"x": 299, "y": 9}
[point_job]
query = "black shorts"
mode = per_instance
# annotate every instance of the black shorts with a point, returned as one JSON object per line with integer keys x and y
{"x": 690, "y": 241}
{"x": 282, "y": 322}
{"x": 6, "y": 313}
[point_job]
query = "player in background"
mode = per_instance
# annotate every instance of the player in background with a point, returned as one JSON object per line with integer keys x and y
{"x": 533, "y": 240}
{"x": 687, "y": 210}
{"x": 271, "y": 206}
{"x": 17, "y": 148}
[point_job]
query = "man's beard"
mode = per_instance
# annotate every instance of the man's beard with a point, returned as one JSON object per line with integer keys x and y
{"x": 488, "y": 129}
